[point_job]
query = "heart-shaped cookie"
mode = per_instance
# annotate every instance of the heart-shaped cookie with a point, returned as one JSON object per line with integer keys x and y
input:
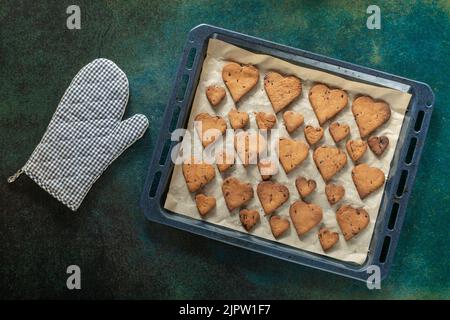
{"x": 378, "y": 144}
{"x": 249, "y": 145}
{"x": 370, "y": 114}
{"x": 278, "y": 225}
{"x": 236, "y": 193}
{"x": 356, "y": 149}
{"x": 367, "y": 179}
{"x": 272, "y": 195}
{"x": 334, "y": 192}
{"x": 248, "y": 218}
{"x": 329, "y": 161}
{"x": 351, "y": 220}
{"x": 215, "y": 94}
{"x": 327, "y": 238}
{"x": 281, "y": 90}
{"x": 339, "y": 131}
{"x": 305, "y": 186}
{"x": 313, "y": 135}
{"x": 327, "y": 102}
{"x": 238, "y": 119}
{"x": 224, "y": 159}
{"x": 305, "y": 216}
{"x": 265, "y": 120}
{"x": 204, "y": 203}
{"x": 267, "y": 168}
{"x": 209, "y": 127}
{"x": 239, "y": 79}
{"x": 197, "y": 174}
{"x": 292, "y": 153}
{"x": 292, "y": 120}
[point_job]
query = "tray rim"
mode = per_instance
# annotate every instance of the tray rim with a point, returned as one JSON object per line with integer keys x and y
{"x": 422, "y": 100}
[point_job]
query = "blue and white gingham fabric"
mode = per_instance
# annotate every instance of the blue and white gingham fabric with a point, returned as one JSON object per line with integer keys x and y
{"x": 86, "y": 133}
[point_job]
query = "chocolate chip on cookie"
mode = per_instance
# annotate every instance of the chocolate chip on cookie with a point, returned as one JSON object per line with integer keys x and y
{"x": 272, "y": 195}
{"x": 281, "y": 90}
{"x": 239, "y": 79}
{"x": 352, "y": 220}
{"x": 327, "y": 102}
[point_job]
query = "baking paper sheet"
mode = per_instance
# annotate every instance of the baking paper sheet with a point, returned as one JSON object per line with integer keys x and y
{"x": 181, "y": 201}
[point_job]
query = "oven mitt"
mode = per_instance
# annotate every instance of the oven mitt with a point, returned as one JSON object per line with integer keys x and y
{"x": 85, "y": 134}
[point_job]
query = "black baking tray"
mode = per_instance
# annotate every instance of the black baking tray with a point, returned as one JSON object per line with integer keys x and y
{"x": 397, "y": 188}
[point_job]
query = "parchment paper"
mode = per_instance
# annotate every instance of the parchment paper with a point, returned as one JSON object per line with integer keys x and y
{"x": 179, "y": 199}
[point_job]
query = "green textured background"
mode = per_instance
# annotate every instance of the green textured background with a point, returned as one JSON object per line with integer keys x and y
{"x": 121, "y": 255}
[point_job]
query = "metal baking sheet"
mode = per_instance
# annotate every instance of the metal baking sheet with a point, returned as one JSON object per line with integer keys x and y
{"x": 398, "y": 184}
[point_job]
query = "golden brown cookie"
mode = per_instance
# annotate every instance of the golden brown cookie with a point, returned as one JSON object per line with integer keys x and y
{"x": 356, "y": 149}
{"x": 267, "y": 168}
{"x": 238, "y": 119}
{"x": 292, "y": 153}
{"x": 239, "y": 79}
{"x": 304, "y": 186}
{"x": 327, "y": 238}
{"x": 370, "y": 114}
{"x": 292, "y": 120}
{"x": 313, "y": 135}
{"x": 249, "y": 145}
{"x": 248, "y": 218}
{"x": 367, "y": 179}
{"x": 339, "y": 131}
{"x": 265, "y": 120}
{"x": 334, "y": 192}
{"x": 212, "y": 127}
{"x": 278, "y": 225}
{"x": 215, "y": 94}
{"x": 197, "y": 174}
{"x": 327, "y": 102}
{"x": 236, "y": 193}
{"x": 204, "y": 203}
{"x": 351, "y": 220}
{"x": 224, "y": 160}
{"x": 378, "y": 144}
{"x": 305, "y": 216}
{"x": 272, "y": 195}
{"x": 281, "y": 90}
{"x": 329, "y": 161}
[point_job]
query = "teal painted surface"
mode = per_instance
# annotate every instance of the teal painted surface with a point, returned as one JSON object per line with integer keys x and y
{"x": 121, "y": 255}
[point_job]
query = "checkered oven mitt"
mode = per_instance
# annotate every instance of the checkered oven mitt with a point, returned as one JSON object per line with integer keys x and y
{"x": 85, "y": 134}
